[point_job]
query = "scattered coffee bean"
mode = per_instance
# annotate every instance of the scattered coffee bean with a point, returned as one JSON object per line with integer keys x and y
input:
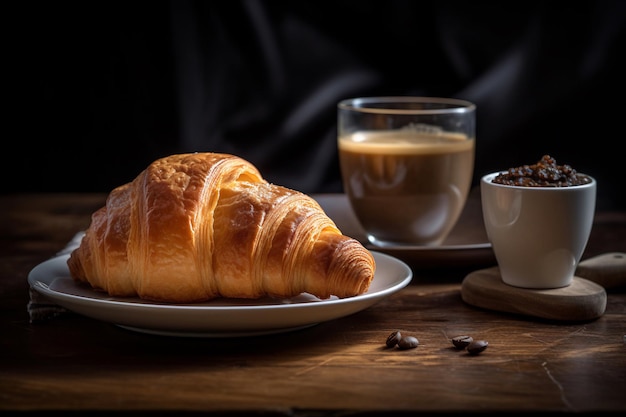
{"x": 393, "y": 339}
{"x": 461, "y": 342}
{"x": 408, "y": 342}
{"x": 477, "y": 346}
{"x": 473, "y": 347}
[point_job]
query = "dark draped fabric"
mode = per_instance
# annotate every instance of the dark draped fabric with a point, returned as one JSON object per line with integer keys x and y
{"x": 105, "y": 87}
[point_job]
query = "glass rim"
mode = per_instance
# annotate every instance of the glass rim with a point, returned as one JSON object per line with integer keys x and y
{"x": 365, "y": 105}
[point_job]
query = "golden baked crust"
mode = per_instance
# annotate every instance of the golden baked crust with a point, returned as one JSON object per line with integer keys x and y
{"x": 193, "y": 227}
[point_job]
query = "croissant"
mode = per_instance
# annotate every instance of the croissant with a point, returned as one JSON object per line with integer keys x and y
{"x": 199, "y": 226}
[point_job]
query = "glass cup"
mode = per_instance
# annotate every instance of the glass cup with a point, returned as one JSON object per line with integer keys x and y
{"x": 407, "y": 165}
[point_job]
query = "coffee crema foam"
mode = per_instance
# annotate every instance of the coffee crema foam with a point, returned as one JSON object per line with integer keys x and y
{"x": 405, "y": 142}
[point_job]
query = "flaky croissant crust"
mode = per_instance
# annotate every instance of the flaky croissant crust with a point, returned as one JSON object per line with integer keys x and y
{"x": 194, "y": 227}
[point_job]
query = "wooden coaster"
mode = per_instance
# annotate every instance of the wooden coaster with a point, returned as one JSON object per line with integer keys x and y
{"x": 582, "y": 300}
{"x": 607, "y": 269}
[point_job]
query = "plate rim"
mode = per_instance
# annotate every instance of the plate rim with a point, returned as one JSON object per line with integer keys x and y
{"x": 43, "y": 286}
{"x": 442, "y": 248}
{"x": 68, "y": 301}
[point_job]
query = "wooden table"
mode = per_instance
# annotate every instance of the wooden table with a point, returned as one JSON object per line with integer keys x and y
{"x": 340, "y": 367}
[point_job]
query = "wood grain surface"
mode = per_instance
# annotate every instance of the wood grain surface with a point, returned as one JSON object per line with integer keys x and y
{"x": 343, "y": 367}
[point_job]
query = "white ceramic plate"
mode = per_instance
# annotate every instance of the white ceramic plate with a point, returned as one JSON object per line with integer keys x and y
{"x": 466, "y": 245}
{"x": 217, "y": 318}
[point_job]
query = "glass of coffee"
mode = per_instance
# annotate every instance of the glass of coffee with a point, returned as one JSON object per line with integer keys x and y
{"x": 407, "y": 165}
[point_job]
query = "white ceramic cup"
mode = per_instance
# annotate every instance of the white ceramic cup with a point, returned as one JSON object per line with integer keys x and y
{"x": 538, "y": 234}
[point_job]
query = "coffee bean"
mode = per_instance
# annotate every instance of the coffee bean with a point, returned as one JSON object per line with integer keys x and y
{"x": 393, "y": 339}
{"x": 461, "y": 342}
{"x": 477, "y": 346}
{"x": 408, "y": 342}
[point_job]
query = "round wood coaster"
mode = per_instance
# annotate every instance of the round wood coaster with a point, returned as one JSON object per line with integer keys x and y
{"x": 580, "y": 301}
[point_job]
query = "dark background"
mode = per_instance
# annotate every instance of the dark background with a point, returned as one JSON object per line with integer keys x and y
{"x": 102, "y": 88}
